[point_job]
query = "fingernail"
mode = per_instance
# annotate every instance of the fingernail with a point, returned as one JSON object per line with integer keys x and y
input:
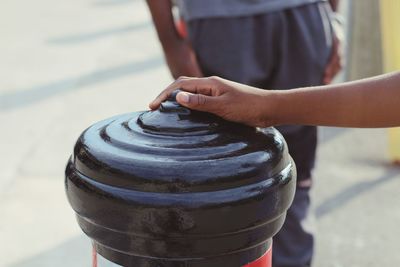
{"x": 184, "y": 97}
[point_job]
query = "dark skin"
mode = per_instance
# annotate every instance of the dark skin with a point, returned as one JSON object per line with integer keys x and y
{"x": 334, "y": 4}
{"x": 179, "y": 55}
{"x": 335, "y": 60}
{"x": 368, "y": 103}
{"x": 181, "y": 58}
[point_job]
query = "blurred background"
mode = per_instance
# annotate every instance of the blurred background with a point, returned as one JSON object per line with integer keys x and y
{"x": 67, "y": 64}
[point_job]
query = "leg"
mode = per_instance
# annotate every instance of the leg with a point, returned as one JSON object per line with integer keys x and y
{"x": 293, "y": 246}
{"x": 286, "y": 246}
{"x": 306, "y": 46}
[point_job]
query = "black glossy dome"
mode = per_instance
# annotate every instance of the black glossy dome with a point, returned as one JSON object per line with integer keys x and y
{"x": 175, "y": 183}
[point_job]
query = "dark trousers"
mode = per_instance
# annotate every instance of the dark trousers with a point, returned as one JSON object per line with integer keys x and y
{"x": 277, "y": 50}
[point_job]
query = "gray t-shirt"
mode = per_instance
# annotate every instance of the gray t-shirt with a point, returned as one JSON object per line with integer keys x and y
{"x": 199, "y": 9}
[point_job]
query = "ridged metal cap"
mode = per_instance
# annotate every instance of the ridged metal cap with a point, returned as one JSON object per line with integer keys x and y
{"x": 179, "y": 185}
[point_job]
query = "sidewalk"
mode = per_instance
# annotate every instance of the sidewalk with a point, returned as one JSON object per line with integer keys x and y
{"x": 68, "y": 64}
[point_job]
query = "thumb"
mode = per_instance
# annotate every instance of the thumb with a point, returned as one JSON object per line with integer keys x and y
{"x": 197, "y": 101}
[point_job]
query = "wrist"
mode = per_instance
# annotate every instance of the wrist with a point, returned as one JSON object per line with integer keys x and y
{"x": 271, "y": 108}
{"x": 282, "y": 107}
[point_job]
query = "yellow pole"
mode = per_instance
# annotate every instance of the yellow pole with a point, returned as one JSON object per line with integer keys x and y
{"x": 390, "y": 24}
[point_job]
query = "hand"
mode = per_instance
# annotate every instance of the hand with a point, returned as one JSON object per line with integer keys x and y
{"x": 229, "y": 100}
{"x": 335, "y": 63}
{"x": 182, "y": 60}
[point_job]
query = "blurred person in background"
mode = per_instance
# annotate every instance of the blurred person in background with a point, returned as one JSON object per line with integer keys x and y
{"x": 280, "y": 44}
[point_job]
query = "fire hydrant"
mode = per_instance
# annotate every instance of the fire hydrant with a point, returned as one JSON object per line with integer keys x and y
{"x": 176, "y": 187}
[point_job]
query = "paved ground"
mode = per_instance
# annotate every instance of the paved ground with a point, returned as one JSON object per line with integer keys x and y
{"x": 67, "y": 64}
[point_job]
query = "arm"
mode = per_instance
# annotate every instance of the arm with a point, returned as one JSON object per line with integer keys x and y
{"x": 373, "y": 102}
{"x": 179, "y": 55}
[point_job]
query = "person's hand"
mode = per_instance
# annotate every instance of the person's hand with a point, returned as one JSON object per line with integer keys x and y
{"x": 229, "y": 100}
{"x": 335, "y": 62}
{"x": 182, "y": 60}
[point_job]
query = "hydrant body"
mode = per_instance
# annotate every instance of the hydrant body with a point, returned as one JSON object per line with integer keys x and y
{"x": 175, "y": 187}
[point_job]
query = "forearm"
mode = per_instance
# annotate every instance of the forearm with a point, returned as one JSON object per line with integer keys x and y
{"x": 373, "y": 102}
{"x": 161, "y": 12}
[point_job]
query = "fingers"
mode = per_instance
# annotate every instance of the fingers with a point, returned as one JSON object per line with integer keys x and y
{"x": 332, "y": 70}
{"x": 205, "y": 86}
{"x": 165, "y": 94}
{"x": 197, "y": 101}
{"x": 334, "y": 65}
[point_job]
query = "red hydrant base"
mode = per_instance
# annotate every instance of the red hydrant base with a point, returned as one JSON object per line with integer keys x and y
{"x": 264, "y": 261}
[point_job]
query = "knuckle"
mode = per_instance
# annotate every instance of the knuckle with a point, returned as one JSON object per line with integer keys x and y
{"x": 182, "y": 81}
{"x": 202, "y": 100}
{"x": 214, "y": 78}
{"x": 183, "y": 78}
{"x": 198, "y": 100}
{"x": 177, "y": 84}
{"x": 180, "y": 78}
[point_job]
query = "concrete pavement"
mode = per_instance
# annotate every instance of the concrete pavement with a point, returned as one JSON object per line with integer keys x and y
{"x": 67, "y": 64}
